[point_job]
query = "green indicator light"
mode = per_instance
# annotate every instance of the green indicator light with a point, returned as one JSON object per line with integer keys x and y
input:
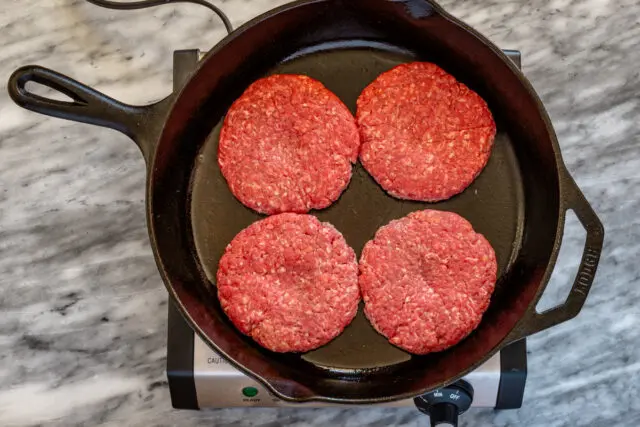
{"x": 250, "y": 391}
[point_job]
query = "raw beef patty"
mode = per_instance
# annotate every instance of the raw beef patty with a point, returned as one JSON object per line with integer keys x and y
{"x": 288, "y": 145}
{"x": 425, "y": 136}
{"x": 290, "y": 282}
{"x": 426, "y": 280}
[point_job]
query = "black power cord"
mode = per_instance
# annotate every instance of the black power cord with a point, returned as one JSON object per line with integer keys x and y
{"x": 118, "y": 5}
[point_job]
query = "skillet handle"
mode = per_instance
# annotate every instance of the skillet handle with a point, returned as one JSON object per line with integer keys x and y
{"x": 87, "y": 105}
{"x": 533, "y": 321}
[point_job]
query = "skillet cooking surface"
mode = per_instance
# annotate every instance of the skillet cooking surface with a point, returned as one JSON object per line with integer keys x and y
{"x": 494, "y": 203}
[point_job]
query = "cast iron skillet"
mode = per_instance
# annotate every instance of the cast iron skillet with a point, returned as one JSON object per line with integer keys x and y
{"x": 519, "y": 202}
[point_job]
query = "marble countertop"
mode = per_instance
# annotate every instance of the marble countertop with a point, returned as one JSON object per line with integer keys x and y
{"x": 83, "y": 330}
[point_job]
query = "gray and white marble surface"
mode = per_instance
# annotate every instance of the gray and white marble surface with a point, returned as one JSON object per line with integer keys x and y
{"x": 82, "y": 307}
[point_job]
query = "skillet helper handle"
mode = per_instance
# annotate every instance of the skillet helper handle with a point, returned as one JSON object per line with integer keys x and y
{"x": 86, "y": 105}
{"x": 533, "y": 321}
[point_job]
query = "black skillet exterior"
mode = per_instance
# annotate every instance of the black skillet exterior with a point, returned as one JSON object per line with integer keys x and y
{"x": 158, "y": 129}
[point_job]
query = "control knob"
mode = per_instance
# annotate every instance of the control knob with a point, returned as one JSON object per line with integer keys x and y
{"x": 445, "y": 404}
